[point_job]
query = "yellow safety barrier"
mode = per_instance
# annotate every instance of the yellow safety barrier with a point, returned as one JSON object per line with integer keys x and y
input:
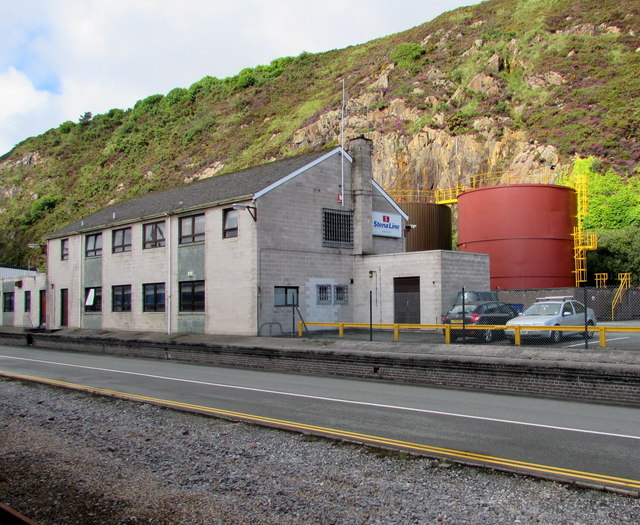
{"x": 447, "y": 328}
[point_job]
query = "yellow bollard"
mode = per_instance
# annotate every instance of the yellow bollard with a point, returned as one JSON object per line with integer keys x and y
{"x": 517, "y": 339}
{"x": 341, "y": 330}
{"x": 603, "y": 336}
{"x": 396, "y": 333}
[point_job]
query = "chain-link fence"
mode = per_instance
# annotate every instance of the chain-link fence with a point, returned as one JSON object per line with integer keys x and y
{"x": 594, "y": 318}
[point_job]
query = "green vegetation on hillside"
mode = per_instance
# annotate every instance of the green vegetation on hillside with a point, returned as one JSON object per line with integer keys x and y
{"x": 563, "y": 71}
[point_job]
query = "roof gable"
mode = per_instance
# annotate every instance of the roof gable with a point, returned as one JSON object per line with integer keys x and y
{"x": 302, "y": 170}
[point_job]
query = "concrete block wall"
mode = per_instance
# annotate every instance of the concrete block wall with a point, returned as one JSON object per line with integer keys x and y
{"x": 65, "y": 274}
{"x": 440, "y": 272}
{"x": 20, "y": 286}
{"x": 289, "y": 240}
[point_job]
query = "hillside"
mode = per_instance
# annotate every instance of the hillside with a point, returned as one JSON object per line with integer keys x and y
{"x": 515, "y": 86}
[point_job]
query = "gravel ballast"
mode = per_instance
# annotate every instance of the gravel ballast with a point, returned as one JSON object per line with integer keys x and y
{"x": 73, "y": 458}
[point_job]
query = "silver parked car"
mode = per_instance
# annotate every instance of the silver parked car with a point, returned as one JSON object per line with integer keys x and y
{"x": 552, "y": 311}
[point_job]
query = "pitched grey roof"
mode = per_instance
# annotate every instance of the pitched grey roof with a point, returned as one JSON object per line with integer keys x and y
{"x": 240, "y": 185}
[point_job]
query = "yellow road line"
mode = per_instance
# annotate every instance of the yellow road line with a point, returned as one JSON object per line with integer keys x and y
{"x": 504, "y": 463}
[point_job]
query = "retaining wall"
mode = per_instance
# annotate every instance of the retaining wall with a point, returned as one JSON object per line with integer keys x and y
{"x": 585, "y": 381}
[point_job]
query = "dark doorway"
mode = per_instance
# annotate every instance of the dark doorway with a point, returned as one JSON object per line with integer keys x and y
{"x": 64, "y": 307}
{"x": 43, "y": 308}
{"x": 406, "y": 300}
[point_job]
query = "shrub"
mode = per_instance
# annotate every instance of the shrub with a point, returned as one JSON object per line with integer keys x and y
{"x": 406, "y": 55}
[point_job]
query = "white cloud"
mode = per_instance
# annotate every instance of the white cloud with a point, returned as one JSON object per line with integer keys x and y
{"x": 60, "y": 59}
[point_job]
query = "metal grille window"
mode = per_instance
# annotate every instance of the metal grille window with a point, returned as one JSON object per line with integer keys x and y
{"x": 93, "y": 299}
{"x": 121, "y": 240}
{"x": 64, "y": 249}
{"x": 324, "y": 293}
{"x": 337, "y": 228}
{"x": 192, "y": 296}
{"x": 154, "y": 297}
{"x": 8, "y": 301}
{"x": 341, "y": 294}
{"x": 121, "y": 298}
{"x": 191, "y": 229}
{"x": 285, "y": 296}
{"x": 27, "y": 301}
{"x": 93, "y": 245}
{"x": 153, "y": 235}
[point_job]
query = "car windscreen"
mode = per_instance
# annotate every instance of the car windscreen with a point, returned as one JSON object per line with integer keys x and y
{"x": 469, "y": 309}
{"x": 543, "y": 309}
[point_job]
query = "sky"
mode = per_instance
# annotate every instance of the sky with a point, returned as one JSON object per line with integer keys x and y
{"x": 62, "y": 58}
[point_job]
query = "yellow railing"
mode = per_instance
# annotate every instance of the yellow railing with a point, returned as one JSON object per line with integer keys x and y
{"x": 602, "y": 331}
{"x": 625, "y": 284}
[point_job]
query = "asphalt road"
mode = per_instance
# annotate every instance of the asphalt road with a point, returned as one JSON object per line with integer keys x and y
{"x": 595, "y": 445}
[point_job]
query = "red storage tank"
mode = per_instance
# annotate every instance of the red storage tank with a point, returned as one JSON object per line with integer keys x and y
{"x": 527, "y": 231}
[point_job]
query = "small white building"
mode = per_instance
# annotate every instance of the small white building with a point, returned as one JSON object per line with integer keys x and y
{"x": 24, "y": 298}
{"x": 311, "y": 237}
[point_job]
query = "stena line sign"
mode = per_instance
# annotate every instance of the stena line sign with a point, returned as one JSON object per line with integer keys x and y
{"x": 387, "y": 224}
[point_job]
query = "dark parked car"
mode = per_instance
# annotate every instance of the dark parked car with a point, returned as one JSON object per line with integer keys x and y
{"x": 477, "y": 314}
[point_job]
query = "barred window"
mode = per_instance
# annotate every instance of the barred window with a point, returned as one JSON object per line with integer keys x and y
{"x": 324, "y": 293}
{"x": 337, "y": 228}
{"x": 341, "y": 294}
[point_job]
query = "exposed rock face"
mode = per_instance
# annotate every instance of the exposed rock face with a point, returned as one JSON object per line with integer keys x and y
{"x": 431, "y": 158}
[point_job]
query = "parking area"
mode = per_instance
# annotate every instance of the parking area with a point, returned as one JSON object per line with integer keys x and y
{"x": 619, "y": 340}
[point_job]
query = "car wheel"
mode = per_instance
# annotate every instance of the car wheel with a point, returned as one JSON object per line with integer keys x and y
{"x": 488, "y": 336}
{"x": 588, "y": 334}
{"x": 556, "y": 337}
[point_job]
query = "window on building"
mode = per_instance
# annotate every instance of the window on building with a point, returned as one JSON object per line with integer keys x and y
{"x": 192, "y": 296}
{"x": 323, "y": 293}
{"x": 27, "y": 301}
{"x": 229, "y": 223}
{"x": 121, "y": 240}
{"x": 93, "y": 299}
{"x": 121, "y": 298}
{"x": 337, "y": 228}
{"x": 64, "y": 249}
{"x": 8, "y": 301}
{"x": 285, "y": 296}
{"x": 153, "y": 234}
{"x": 191, "y": 229}
{"x": 93, "y": 246}
{"x": 341, "y": 294}
{"x": 153, "y": 297}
